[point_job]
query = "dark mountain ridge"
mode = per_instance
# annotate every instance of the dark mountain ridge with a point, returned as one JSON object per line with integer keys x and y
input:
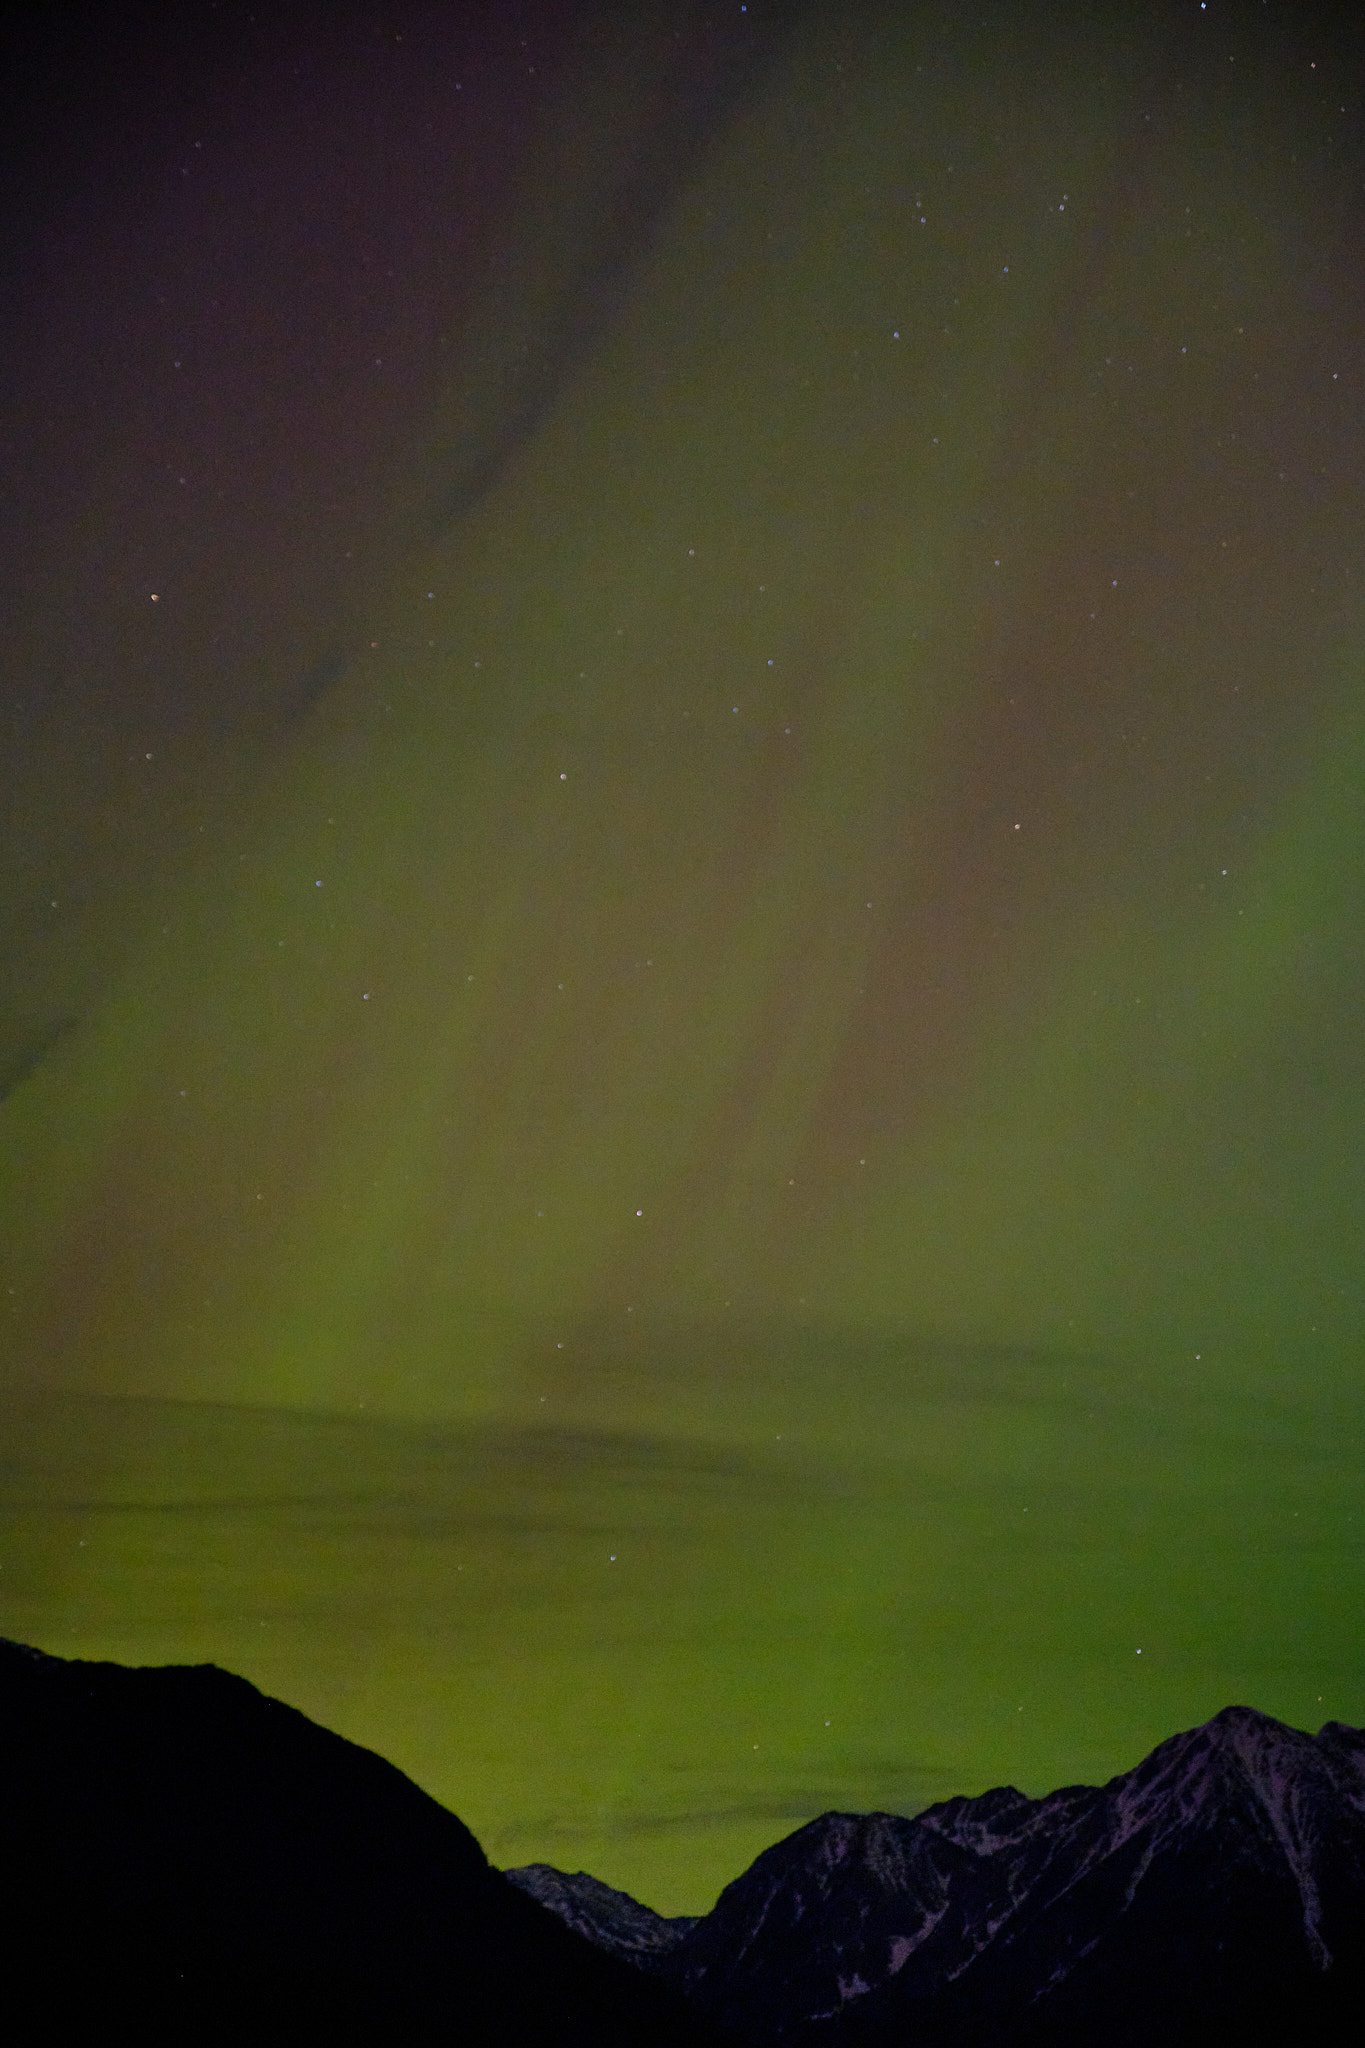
{"x": 610, "y": 1919}
{"x": 187, "y": 1859}
{"x": 1216, "y": 1890}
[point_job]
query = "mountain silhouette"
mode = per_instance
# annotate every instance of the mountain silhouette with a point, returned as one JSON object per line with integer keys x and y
{"x": 1216, "y": 1893}
{"x": 187, "y": 1860}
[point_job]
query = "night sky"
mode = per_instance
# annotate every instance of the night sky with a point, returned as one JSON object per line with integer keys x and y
{"x": 682, "y": 1010}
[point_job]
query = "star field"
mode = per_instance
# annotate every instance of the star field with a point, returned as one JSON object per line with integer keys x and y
{"x": 682, "y": 1114}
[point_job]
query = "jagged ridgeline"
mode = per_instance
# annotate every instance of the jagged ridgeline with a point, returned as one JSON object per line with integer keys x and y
{"x": 200, "y": 1860}
{"x": 1214, "y": 1889}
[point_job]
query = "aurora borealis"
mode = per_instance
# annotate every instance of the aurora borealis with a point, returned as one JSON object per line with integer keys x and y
{"x": 683, "y": 886}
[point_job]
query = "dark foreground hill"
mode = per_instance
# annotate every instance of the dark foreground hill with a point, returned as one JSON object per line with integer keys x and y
{"x": 183, "y": 1859}
{"x": 1213, "y": 1895}
{"x": 186, "y": 1860}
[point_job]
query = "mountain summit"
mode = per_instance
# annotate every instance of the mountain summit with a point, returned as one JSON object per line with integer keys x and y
{"x": 1216, "y": 1890}
{"x": 186, "y": 1859}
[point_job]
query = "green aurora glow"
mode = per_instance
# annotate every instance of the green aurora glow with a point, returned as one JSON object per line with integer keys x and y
{"x": 729, "y": 1180}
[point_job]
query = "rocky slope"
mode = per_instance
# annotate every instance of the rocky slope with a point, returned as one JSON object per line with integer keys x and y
{"x": 186, "y": 1859}
{"x": 1216, "y": 1890}
{"x": 611, "y": 1919}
